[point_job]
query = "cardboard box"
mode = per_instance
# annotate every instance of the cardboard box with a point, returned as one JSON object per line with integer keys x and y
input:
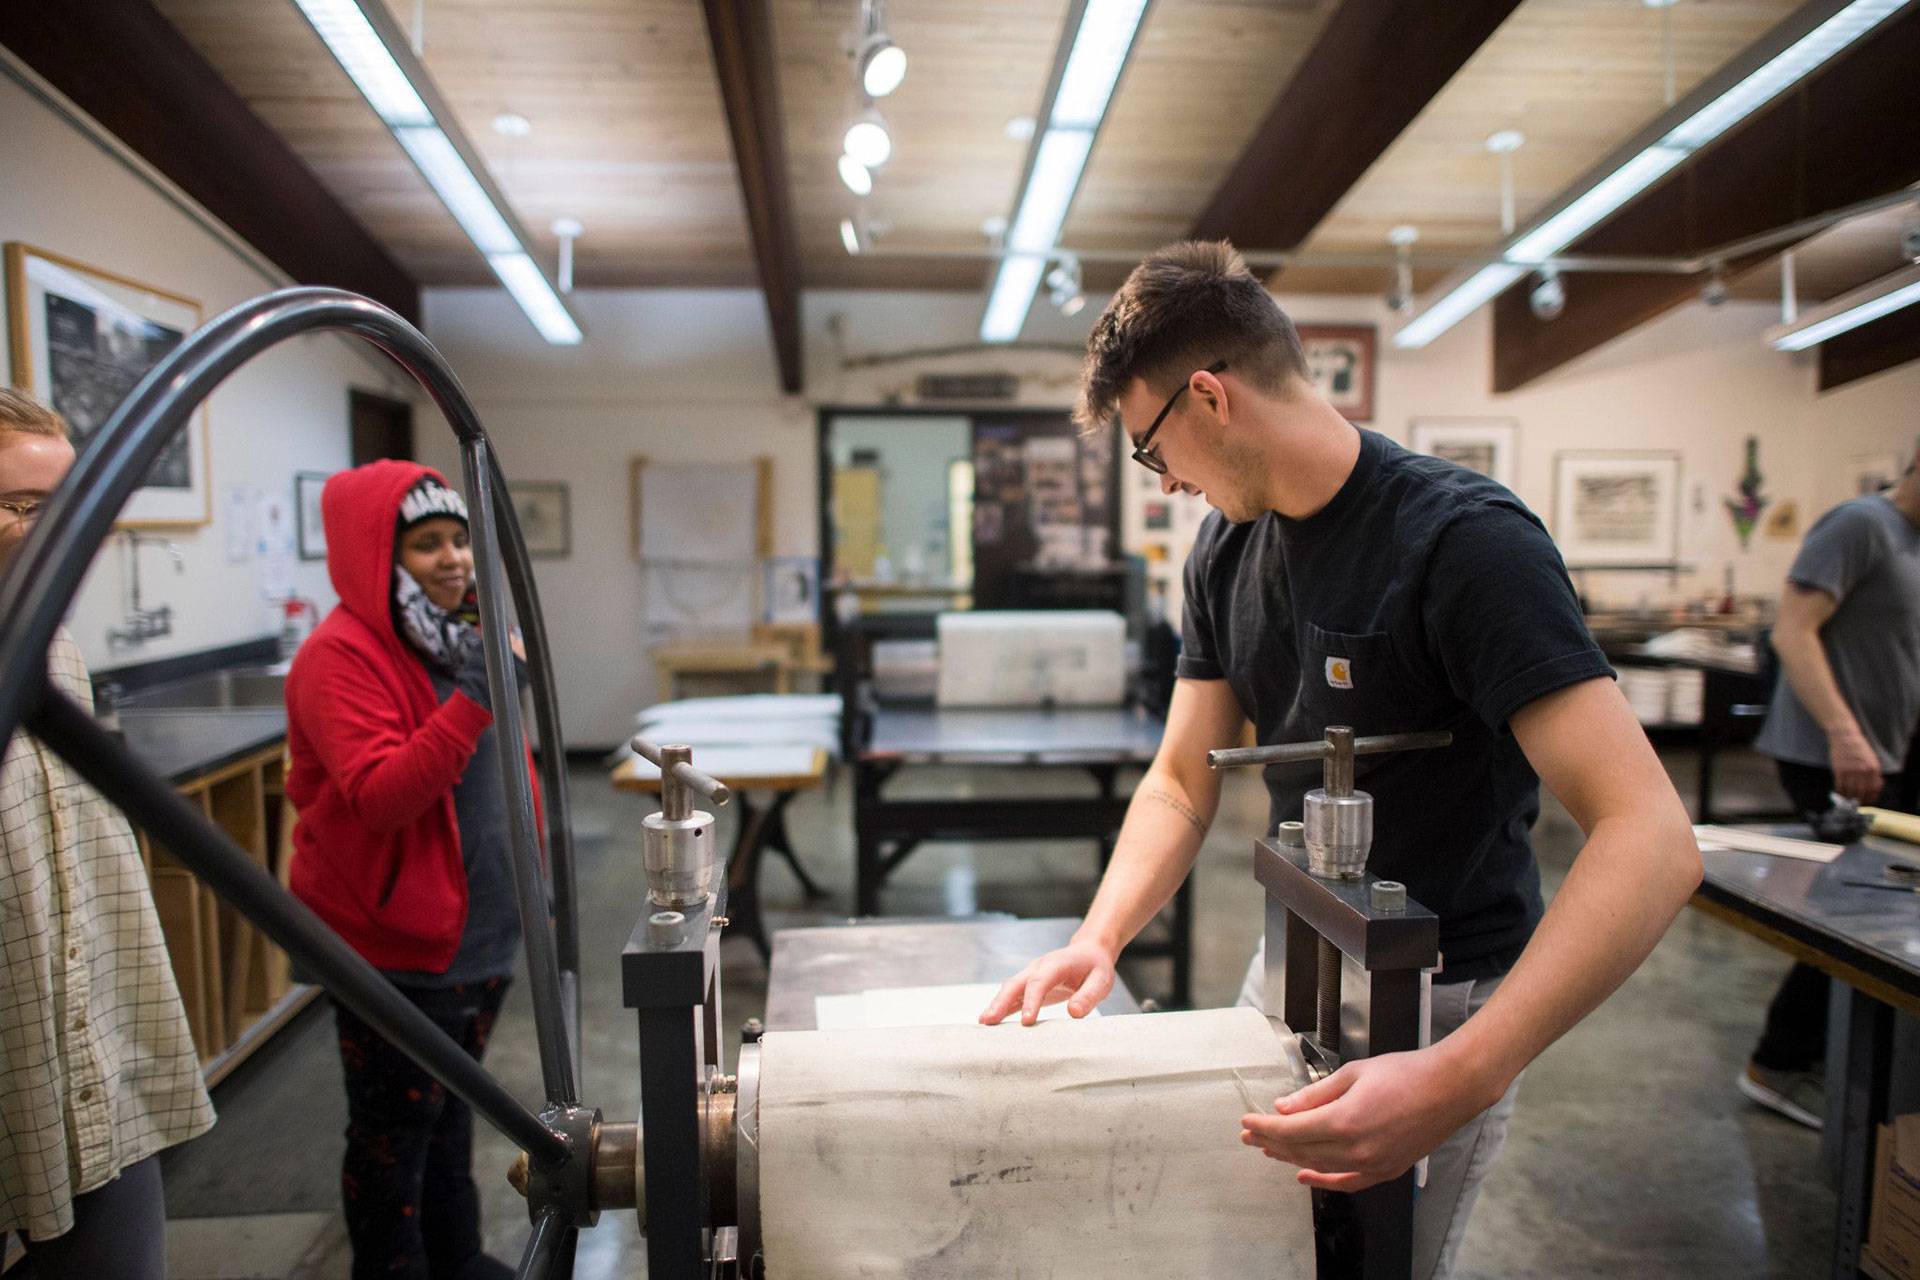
{"x": 1893, "y": 1228}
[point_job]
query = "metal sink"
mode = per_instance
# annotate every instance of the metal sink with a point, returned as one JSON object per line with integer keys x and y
{"x": 234, "y": 687}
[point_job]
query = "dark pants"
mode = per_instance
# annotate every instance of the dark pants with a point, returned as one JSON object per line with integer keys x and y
{"x": 1795, "y": 1038}
{"x": 413, "y": 1212}
{"x": 119, "y": 1232}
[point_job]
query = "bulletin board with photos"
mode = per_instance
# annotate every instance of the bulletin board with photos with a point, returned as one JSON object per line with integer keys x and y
{"x": 1045, "y": 498}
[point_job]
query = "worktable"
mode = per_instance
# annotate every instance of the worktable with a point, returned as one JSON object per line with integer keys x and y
{"x": 891, "y": 737}
{"x": 1865, "y": 938}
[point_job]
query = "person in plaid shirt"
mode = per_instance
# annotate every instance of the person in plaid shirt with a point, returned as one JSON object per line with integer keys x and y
{"x": 98, "y": 1073}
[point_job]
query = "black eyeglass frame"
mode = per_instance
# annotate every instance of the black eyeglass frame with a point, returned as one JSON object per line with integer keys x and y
{"x": 1143, "y": 452}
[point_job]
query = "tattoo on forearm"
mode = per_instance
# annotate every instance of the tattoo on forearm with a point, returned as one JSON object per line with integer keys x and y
{"x": 1182, "y": 808}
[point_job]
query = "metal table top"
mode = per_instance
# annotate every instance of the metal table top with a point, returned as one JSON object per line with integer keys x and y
{"x": 1878, "y": 929}
{"x": 184, "y": 744}
{"x": 921, "y": 734}
{"x": 846, "y": 959}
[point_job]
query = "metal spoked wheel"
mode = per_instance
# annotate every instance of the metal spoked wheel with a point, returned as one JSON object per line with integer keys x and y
{"x": 37, "y": 593}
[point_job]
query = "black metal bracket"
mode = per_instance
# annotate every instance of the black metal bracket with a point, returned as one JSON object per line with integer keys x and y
{"x": 1383, "y": 955}
{"x": 670, "y": 975}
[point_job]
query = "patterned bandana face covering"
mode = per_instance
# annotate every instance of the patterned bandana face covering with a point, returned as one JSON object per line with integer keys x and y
{"x": 443, "y": 636}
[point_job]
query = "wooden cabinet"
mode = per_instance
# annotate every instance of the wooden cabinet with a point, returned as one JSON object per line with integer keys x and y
{"x": 234, "y": 983}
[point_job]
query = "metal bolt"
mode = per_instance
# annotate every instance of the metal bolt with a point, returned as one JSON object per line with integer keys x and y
{"x": 721, "y": 922}
{"x": 1291, "y": 835}
{"x": 751, "y": 1030}
{"x": 664, "y": 926}
{"x": 1388, "y": 895}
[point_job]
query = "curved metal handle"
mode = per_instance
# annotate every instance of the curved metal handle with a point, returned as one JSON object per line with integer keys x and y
{"x": 38, "y": 590}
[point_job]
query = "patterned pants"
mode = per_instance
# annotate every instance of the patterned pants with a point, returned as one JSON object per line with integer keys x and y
{"x": 412, "y": 1209}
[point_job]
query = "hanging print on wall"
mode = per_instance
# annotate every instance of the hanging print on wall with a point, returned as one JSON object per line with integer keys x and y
{"x": 1747, "y": 505}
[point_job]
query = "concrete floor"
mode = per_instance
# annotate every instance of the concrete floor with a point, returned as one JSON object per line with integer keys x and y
{"x": 1631, "y": 1154}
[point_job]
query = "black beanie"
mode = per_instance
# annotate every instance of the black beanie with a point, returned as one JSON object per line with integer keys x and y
{"x": 428, "y": 499}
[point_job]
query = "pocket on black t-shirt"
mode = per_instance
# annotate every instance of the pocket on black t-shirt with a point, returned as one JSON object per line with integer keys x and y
{"x": 1351, "y": 678}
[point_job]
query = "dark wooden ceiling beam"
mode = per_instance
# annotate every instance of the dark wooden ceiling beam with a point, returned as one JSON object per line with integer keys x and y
{"x": 1375, "y": 66}
{"x": 741, "y": 32}
{"x": 1848, "y": 134}
{"x": 125, "y": 65}
{"x": 1873, "y": 348}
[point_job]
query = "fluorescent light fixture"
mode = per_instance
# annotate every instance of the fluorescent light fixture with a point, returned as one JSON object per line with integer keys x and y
{"x": 1482, "y": 285}
{"x": 1594, "y": 204}
{"x": 1100, "y": 49}
{"x": 850, "y": 237}
{"x": 867, "y": 140}
{"x": 855, "y": 175}
{"x": 447, "y": 173}
{"x": 883, "y": 65}
{"x": 1781, "y": 72}
{"x": 1050, "y": 188}
{"x": 1095, "y": 59}
{"x": 1011, "y": 297}
{"x": 374, "y": 55}
{"x": 357, "y": 47}
{"x": 1700, "y": 123}
{"x": 529, "y": 287}
{"x": 1849, "y": 311}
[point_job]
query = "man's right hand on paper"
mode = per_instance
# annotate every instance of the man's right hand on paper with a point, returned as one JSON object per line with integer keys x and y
{"x": 1081, "y": 973}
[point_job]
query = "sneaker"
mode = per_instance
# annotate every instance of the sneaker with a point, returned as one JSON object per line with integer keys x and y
{"x": 1797, "y": 1095}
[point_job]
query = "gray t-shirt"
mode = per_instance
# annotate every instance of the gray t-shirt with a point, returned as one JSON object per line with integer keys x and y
{"x": 1866, "y": 555}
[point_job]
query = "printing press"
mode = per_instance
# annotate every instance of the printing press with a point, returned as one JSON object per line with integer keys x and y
{"x": 1349, "y": 963}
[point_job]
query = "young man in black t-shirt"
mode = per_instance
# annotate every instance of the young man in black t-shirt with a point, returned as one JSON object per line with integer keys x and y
{"x": 1344, "y": 580}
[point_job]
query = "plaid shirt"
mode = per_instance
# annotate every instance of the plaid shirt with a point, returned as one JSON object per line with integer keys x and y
{"x": 97, "y": 1065}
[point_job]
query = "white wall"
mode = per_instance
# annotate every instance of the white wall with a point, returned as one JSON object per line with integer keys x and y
{"x": 676, "y": 375}
{"x": 687, "y": 374}
{"x": 285, "y": 412}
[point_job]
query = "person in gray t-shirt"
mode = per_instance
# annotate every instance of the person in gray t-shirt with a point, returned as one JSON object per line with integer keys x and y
{"x": 1841, "y": 721}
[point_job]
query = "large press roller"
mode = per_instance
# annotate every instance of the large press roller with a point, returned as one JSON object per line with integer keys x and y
{"x": 1097, "y": 1148}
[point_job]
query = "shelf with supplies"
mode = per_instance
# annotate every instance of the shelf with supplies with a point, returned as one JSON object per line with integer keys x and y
{"x": 234, "y": 983}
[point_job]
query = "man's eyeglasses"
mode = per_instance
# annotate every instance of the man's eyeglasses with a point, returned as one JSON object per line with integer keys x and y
{"x": 1143, "y": 452}
{"x": 24, "y": 512}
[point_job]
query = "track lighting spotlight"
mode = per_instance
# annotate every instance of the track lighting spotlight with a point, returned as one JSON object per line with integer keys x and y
{"x": 1549, "y": 296}
{"x": 867, "y": 139}
{"x": 878, "y": 63}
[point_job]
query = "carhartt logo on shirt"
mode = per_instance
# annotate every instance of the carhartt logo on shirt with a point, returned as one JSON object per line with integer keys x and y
{"x": 1340, "y": 673}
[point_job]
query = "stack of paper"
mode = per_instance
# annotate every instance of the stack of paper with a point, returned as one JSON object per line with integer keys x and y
{"x": 1761, "y": 842}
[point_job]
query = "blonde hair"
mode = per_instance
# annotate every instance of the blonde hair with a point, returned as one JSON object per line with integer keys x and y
{"x": 20, "y": 412}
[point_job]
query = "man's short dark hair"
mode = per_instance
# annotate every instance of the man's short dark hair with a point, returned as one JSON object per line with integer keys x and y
{"x": 1183, "y": 308}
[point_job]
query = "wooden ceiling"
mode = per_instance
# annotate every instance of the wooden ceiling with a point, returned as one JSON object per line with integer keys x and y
{"x": 630, "y": 134}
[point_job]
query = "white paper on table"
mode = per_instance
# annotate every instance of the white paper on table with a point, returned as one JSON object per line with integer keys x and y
{"x": 954, "y": 1004}
{"x": 1712, "y": 837}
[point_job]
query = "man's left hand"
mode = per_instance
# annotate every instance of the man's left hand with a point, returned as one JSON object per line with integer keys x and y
{"x": 1369, "y": 1121}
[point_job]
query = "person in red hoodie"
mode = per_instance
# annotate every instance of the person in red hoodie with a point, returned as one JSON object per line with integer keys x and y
{"x": 402, "y": 847}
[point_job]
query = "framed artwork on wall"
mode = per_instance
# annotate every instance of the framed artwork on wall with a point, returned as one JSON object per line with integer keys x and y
{"x": 306, "y": 514}
{"x": 545, "y": 514}
{"x": 80, "y": 339}
{"x": 1487, "y": 445}
{"x": 1615, "y": 509}
{"x": 1870, "y": 473}
{"x": 1340, "y": 360}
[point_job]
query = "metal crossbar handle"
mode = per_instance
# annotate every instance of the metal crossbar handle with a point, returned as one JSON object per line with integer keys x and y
{"x": 39, "y": 589}
{"x": 682, "y": 772}
{"x": 1299, "y": 752}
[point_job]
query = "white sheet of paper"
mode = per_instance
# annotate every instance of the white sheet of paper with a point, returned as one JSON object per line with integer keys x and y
{"x": 1711, "y": 837}
{"x": 954, "y": 1004}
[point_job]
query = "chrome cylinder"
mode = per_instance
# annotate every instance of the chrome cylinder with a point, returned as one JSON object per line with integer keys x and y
{"x": 679, "y": 858}
{"x": 1339, "y": 833}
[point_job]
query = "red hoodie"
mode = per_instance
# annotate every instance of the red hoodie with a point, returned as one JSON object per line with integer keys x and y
{"x": 374, "y": 755}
